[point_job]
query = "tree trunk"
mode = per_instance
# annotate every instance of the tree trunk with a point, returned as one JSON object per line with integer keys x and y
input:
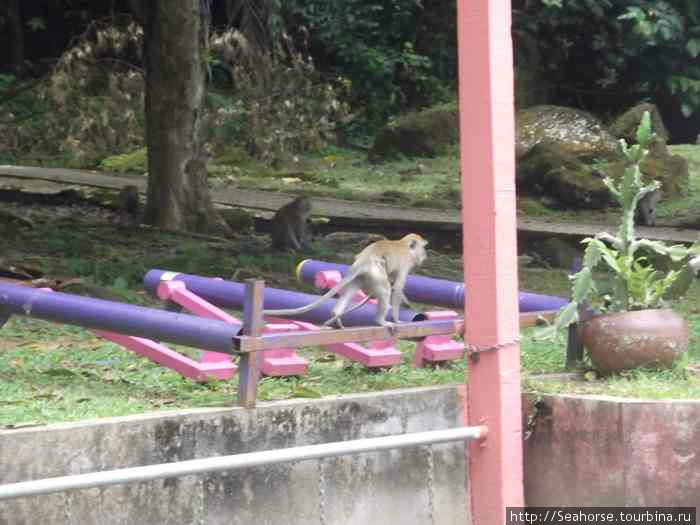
{"x": 16, "y": 30}
{"x": 175, "y": 44}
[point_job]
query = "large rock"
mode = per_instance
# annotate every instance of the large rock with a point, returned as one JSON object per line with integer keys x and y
{"x": 660, "y": 164}
{"x": 548, "y": 169}
{"x": 625, "y": 126}
{"x": 557, "y": 252}
{"x": 419, "y": 134}
{"x": 578, "y": 133}
{"x": 670, "y": 170}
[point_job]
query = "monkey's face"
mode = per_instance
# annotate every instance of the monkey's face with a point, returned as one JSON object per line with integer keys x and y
{"x": 417, "y": 245}
{"x": 303, "y": 204}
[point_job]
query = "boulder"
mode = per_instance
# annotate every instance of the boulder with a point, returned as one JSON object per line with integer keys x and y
{"x": 423, "y": 133}
{"x": 670, "y": 170}
{"x": 548, "y": 169}
{"x": 625, "y": 126}
{"x": 557, "y": 252}
{"x": 577, "y": 132}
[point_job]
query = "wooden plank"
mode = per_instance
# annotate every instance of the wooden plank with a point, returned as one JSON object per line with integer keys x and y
{"x": 427, "y": 218}
{"x": 246, "y": 343}
{"x": 657, "y": 233}
{"x": 95, "y": 179}
{"x": 248, "y": 370}
{"x": 252, "y": 199}
{"x": 357, "y": 334}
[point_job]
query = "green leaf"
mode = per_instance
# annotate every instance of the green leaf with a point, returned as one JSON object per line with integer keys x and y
{"x": 644, "y": 130}
{"x": 303, "y": 391}
{"x": 36, "y": 24}
{"x": 121, "y": 284}
{"x": 582, "y": 283}
{"x": 693, "y": 47}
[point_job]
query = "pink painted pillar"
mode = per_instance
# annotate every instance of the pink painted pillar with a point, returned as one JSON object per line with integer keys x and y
{"x": 490, "y": 270}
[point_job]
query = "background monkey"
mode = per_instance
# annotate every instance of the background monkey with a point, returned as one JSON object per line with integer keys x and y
{"x": 289, "y": 225}
{"x": 645, "y": 213}
{"x": 375, "y": 269}
{"x": 127, "y": 202}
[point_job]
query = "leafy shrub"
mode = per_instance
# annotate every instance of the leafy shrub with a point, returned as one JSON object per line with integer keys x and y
{"x": 636, "y": 283}
{"x": 277, "y": 104}
{"x": 133, "y": 162}
{"x": 386, "y": 48}
{"x": 593, "y": 47}
{"x": 93, "y": 99}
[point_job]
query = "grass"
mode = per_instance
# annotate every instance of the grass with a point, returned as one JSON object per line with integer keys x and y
{"x": 336, "y": 173}
{"x": 52, "y": 372}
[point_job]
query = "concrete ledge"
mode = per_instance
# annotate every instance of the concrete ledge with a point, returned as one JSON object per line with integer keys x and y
{"x": 608, "y": 451}
{"x": 365, "y": 489}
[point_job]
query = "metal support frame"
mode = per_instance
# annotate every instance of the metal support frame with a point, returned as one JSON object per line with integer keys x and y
{"x": 225, "y": 463}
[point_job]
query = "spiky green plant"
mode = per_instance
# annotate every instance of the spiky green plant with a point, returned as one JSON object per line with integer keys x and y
{"x": 636, "y": 284}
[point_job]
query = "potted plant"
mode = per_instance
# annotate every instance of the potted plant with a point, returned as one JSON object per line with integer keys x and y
{"x": 623, "y": 315}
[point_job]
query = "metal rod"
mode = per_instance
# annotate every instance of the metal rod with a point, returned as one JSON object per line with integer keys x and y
{"x": 115, "y": 316}
{"x": 250, "y": 459}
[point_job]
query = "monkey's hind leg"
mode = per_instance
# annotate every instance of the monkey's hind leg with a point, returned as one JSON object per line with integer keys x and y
{"x": 335, "y": 320}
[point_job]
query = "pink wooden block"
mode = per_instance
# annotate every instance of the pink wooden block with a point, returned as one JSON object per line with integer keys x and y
{"x": 177, "y": 292}
{"x": 279, "y": 362}
{"x": 376, "y": 354}
{"x": 169, "y": 358}
{"x": 326, "y": 279}
{"x": 438, "y": 347}
{"x": 156, "y": 352}
{"x": 283, "y": 362}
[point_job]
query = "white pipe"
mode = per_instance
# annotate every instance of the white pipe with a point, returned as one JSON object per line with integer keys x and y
{"x": 250, "y": 459}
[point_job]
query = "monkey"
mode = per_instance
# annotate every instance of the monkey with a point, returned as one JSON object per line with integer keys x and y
{"x": 646, "y": 208}
{"x": 289, "y": 225}
{"x": 694, "y": 265}
{"x": 128, "y": 202}
{"x": 380, "y": 270}
{"x": 374, "y": 278}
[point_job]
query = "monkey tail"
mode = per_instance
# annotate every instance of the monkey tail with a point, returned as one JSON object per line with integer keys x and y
{"x": 352, "y": 273}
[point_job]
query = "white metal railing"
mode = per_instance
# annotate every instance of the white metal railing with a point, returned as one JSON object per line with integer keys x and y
{"x": 250, "y": 459}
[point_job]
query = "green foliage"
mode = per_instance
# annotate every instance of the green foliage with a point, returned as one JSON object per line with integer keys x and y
{"x": 636, "y": 284}
{"x": 639, "y": 46}
{"x": 277, "y": 104}
{"x": 90, "y": 105}
{"x": 133, "y": 162}
{"x": 378, "y": 46}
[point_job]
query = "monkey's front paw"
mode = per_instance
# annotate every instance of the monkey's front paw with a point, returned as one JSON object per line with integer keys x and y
{"x": 391, "y": 326}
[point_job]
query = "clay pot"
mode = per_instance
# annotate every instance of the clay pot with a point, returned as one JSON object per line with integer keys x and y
{"x": 643, "y": 338}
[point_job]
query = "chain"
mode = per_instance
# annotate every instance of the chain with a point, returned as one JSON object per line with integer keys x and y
{"x": 200, "y": 499}
{"x": 474, "y": 350}
{"x": 321, "y": 493}
{"x": 67, "y": 507}
{"x": 431, "y": 483}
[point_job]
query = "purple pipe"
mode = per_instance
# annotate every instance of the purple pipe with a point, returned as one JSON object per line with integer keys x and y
{"x": 230, "y": 294}
{"x": 427, "y": 290}
{"x": 121, "y": 318}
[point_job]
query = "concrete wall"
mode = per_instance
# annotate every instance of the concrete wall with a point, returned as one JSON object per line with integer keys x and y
{"x": 603, "y": 451}
{"x": 367, "y": 489}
